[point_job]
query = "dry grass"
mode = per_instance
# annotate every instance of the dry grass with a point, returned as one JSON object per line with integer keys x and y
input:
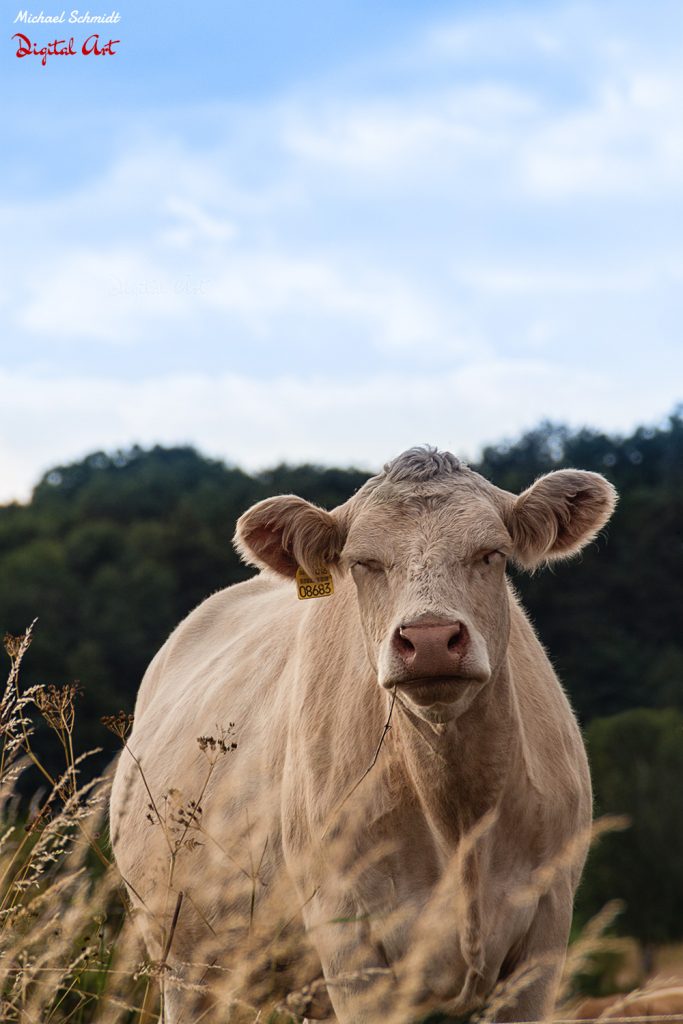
{"x": 70, "y": 948}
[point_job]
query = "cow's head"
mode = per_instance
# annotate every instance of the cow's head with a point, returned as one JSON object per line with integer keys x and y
{"x": 426, "y": 543}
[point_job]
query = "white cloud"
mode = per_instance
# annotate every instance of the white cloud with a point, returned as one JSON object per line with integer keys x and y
{"x": 195, "y": 224}
{"x": 621, "y": 137}
{"x": 516, "y": 280}
{"x": 188, "y": 258}
{"x": 102, "y": 295}
{"x": 404, "y": 135}
{"x": 257, "y": 423}
{"x": 626, "y": 140}
{"x": 486, "y": 37}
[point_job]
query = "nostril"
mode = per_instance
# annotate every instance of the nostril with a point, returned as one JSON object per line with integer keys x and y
{"x": 403, "y": 645}
{"x": 456, "y": 637}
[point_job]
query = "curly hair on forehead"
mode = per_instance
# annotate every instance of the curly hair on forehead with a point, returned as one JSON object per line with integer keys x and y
{"x": 422, "y": 463}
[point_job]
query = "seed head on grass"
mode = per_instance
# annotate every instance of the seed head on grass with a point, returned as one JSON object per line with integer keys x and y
{"x": 119, "y": 724}
{"x": 57, "y": 705}
{"x": 13, "y": 644}
{"x": 214, "y": 746}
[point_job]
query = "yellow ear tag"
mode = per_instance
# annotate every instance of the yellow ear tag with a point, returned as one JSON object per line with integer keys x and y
{"x": 320, "y": 585}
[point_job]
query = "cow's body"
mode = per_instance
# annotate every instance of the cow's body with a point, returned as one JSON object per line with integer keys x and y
{"x": 433, "y": 869}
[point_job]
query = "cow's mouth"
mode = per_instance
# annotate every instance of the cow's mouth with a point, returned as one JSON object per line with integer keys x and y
{"x": 428, "y": 690}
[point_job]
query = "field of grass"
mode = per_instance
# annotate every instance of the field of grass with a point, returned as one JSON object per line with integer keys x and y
{"x": 70, "y": 949}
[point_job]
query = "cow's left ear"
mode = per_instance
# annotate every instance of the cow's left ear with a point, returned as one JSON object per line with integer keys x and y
{"x": 287, "y": 532}
{"x": 558, "y": 515}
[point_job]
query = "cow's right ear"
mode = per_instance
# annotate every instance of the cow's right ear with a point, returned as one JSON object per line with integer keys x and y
{"x": 286, "y": 533}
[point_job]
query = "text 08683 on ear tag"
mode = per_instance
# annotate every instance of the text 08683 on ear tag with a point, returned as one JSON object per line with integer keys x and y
{"x": 320, "y": 585}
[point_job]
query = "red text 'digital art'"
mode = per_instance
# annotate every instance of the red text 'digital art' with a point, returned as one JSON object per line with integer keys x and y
{"x": 93, "y": 46}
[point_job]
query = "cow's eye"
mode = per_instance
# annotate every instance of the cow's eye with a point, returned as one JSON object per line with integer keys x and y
{"x": 492, "y": 557}
{"x": 368, "y": 564}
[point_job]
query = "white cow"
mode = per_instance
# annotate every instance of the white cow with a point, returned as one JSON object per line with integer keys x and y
{"x": 409, "y": 783}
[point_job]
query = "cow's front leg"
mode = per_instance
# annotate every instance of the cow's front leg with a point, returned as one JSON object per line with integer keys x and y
{"x": 358, "y": 978}
{"x": 533, "y": 983}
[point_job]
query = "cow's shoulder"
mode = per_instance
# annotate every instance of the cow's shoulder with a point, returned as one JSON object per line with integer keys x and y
{"x": 226, "y": 620}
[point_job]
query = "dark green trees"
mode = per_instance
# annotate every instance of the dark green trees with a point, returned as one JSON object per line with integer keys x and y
{"x": 637, "y": 766}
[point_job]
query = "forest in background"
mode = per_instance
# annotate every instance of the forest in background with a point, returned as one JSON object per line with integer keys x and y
{"x": 112, "y": 551}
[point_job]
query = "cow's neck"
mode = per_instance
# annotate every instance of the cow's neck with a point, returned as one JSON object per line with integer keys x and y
{"x": 458, "y": 771}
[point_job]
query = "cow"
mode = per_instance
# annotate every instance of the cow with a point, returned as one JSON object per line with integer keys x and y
{"x": 381, "y": 744}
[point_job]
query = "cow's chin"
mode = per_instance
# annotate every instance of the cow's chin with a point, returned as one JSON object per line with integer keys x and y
{"x": 441, "y": 699}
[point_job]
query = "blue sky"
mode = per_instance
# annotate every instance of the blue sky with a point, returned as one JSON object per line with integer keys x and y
{"x": 331, "y": 230}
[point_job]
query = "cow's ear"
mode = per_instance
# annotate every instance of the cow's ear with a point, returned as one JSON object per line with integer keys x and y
{"x": 558, "y": 515}
{"x": 287, "y": 532}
